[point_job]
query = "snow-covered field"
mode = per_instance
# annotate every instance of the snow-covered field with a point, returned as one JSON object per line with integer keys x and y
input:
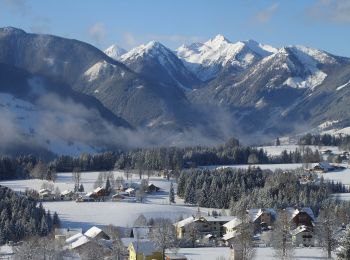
{"x": 261, "y": 253}
{"x": 341, "y": 176}
{"x": 86, "y": 214}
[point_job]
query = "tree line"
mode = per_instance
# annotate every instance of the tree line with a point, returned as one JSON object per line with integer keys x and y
{"x": 342, "y": 141}
{"x": 21, "y": 217}
{"x": 147, "y": 159}
{"x": 252, "y": 188}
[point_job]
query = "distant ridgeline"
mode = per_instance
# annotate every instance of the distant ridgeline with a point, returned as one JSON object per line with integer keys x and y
{"x": 20, "y": 217}
{"x": 171, "y": 158}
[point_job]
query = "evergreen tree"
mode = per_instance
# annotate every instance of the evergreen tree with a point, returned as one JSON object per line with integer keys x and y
{"x": 81, "y": 188}
{"x": 171, "y": 193}
{"x": 55, "y": 220}
{"x": 278, "y": 143}
{"x": 108, "y": 186}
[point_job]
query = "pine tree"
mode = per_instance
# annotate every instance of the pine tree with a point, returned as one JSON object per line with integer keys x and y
{"x": 108, "y": 186}
{"x": 81, "y": 188}
{"x": 171, "y": 193}
{"x": 55, "y": 220}
{"x": 278, "y": 142}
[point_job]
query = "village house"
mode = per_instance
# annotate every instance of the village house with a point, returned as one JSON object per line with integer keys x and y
{"x": 152, "y": 188}
{"x": 143, "y": 249}
{"x": 213, "y": 225}
{"x": 66, "y": 195}
{"x": 303, "y": 236}
{"x": 231, "y": 230}
{"x": 45, "y": 194}
{"x": 323, "y": 167}
{"x": 301, "y": 217}
{"x": 262, "y": 218}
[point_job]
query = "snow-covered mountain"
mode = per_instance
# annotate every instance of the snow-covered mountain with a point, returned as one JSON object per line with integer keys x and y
{"x": 155, "y": 61}
{"x": 115, "y": 52}
{"x": 207, "y": 59}
{"x": 198, "y": 93}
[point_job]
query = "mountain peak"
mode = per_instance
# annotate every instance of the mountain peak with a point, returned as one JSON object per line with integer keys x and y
{"x": 219, "y": 38}
{"x": 114, "y": 51}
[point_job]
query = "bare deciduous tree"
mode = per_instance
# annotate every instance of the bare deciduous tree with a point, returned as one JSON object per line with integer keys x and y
{"x": 163, "y": 235}
{"x": 76, "y": 175}
{"x": 281, "y": 239}
{"x": 243, "y": 243}
{"x": 327, "y": 223}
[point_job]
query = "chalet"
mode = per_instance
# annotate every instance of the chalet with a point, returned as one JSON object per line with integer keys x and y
{"x": 144, "y": 249}
{"x": 66, "y": 195}
{"x": 45, "y": 194}
{"x": 323, "y": 167}
{"x": 231, "y": 229}
{"x": 100, "y": 192}
{"x": 301, "y": 217}
{"x": 205, "y": 225}
{"x": 152, "y": 188}
{"x": 262, "y": 218}
{"x": 303, "y": 236}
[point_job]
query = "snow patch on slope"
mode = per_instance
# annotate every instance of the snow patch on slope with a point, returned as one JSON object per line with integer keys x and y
{"x": 97, "y": 69}
{"x": 343, "y": 86}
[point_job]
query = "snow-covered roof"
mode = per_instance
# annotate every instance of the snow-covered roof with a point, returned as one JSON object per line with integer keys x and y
{"x": 44, "y": 191}
{"x": 74, "y": 238}
{"x": 325, "y": 165}
{"x": 89, "y": 194}
{"x": 299, "y": 230}
{"x": 146, "y": 247}
{"x": 233, "y": 223}
{"x": 218, "y": 218}
{"x": 93, "y": 232}
{"x": 66, "y": 192}
{"x": 292, "y": 212}
{"x": 81, "y": 241}
{"x": 230, "y": 235}
{"x": 254, "y": 214}
{"x": 98, "y": 189}
{"x": 208, "y": 236}
{"x": 185, "y": 222}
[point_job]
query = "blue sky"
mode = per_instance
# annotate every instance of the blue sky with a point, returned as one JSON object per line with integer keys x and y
{"x": 323, "y": 24}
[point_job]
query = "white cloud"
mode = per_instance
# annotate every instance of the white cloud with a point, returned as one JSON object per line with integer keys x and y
{"x": 337, "y": 11}
{"x": 97, "y": 33}
{"x": 265, "y": 15}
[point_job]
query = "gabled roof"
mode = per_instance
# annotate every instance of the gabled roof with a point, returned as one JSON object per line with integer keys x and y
{"x": 66, "y": 192}
{"x": 98, "y": 189}
{"x": 218, "y": 218}
{"x": 146, "y": 247}
{"x": 230, "y": 235}
{"x": 233, "y": 223}
{"x": 93, "y": 232}
{"x": 299, "y": 230}
{"x": 185, "y": 222}
{"x": 74, "y": 238}
{"x": 292, "y": 212}
{"x": 254, "y": 214}
{"x": 81, "y": 241}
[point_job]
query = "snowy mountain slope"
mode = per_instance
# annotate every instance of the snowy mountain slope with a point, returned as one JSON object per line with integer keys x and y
{"x": 159, "y": 63}
{"x": 207, "y": 59}
{"x": 115, "y": 52}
